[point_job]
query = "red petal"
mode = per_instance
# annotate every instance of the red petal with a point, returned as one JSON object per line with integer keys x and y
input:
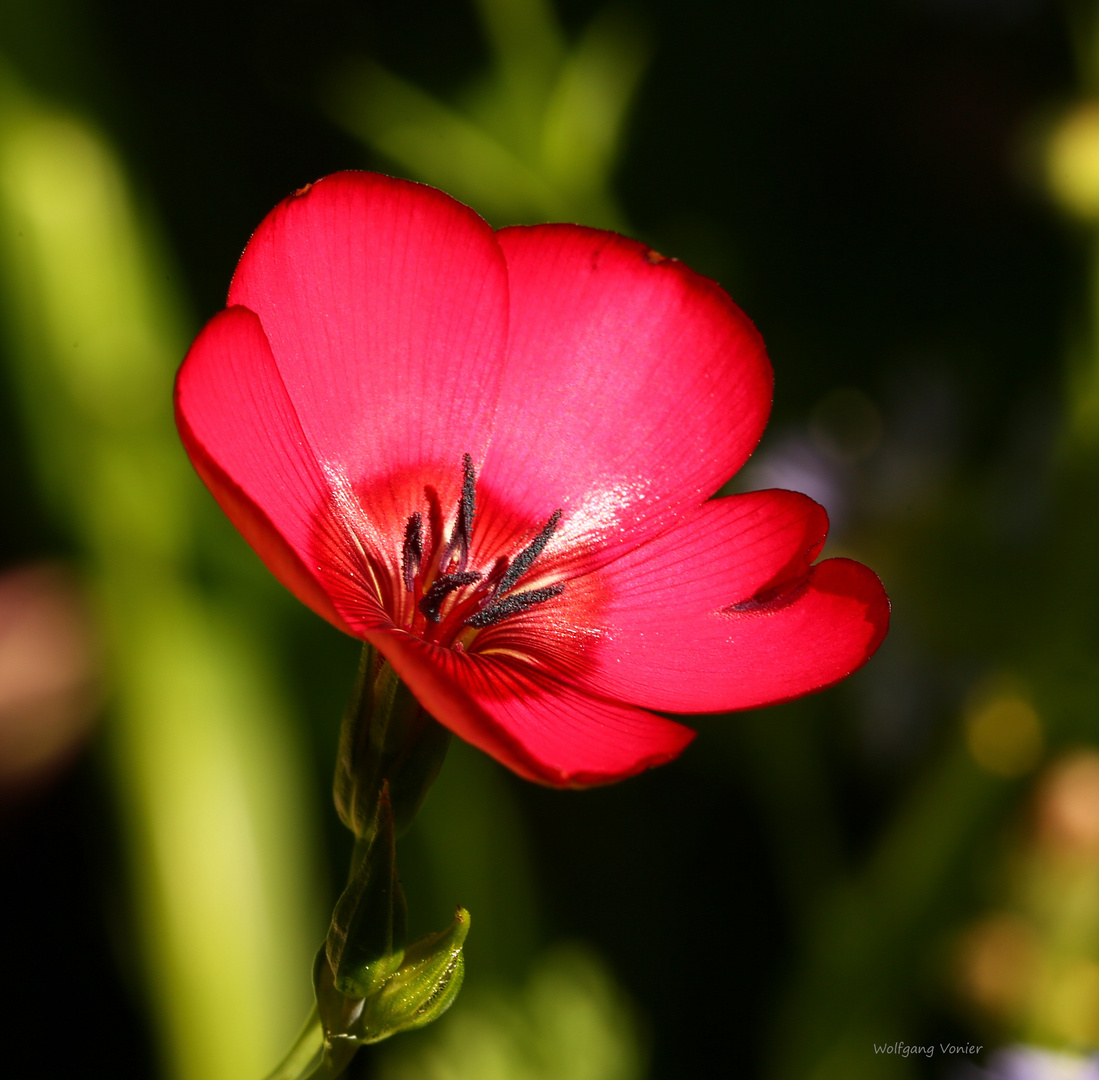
{"x": 634, "y": 386}
{"x": 240, "y": 430}
{"x": 724, "y": 612}
{"x": 542, "y": 729}
{"x": 386, "y": 305}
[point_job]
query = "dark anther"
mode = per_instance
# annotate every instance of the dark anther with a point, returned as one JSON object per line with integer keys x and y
{"x": 522, "y": 562}
{"x": 462, "y": 536}
{"x": 413, "y": 552}
{"x": 466, "y": 509}
{"x": 512, "y": 605}
{"x": 443, "y": 587}
{"x": 490, "y": 596}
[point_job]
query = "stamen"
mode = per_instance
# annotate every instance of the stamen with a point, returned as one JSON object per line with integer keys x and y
{"x": 447, "y": 559}
{"x": 522, "y": 562}
{"x": 512, "y": 605}
{"x": 442, "y": 588}
{"x": 412, "y": 553}
{"x": 462, "y": 536}
{"x": 466, "y": 509}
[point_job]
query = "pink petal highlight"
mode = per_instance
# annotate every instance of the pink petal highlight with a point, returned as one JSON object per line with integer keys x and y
{"x": 634, "y": 387}
{"x": 386, "y": 306}
{"x": 724, "y": 611}
{"x": 543, "y": 729}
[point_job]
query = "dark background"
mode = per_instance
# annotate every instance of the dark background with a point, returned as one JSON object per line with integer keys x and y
{"x": 857, "y": 175}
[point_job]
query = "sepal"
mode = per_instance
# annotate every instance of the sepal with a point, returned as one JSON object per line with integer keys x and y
{"x": 366, "y": 940}
{"x": 386, "y": 736}
{"x": 336, "y": 1013}
{"x": 422, "y": 989}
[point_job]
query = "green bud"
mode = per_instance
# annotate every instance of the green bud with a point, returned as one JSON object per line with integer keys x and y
{"x": 386, "y": 736}
{"x": 422, "y": 989}
{"x": 365, "y": 942}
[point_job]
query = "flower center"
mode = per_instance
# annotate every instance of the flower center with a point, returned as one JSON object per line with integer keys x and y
{"x": 452, "y": 603}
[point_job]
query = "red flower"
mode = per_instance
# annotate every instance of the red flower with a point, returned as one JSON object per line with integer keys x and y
{"x": 491, "y": 455}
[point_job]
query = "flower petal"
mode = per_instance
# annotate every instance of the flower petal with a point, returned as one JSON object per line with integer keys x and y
{"x": 634, "y": 387}
{"x": 243, "y": 437}
{"x": 540, "y": 728}
{"x": 725, "y": 612}
{"x": 386, "y": 306}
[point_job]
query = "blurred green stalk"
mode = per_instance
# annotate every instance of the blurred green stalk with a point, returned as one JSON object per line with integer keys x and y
{"x": 536, "y": 140}
{"x": 204, "y": 759}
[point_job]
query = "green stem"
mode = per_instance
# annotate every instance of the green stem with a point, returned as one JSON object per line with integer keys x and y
{"x": 306, "y": 1056}
{"x": 311, "y": 1058}
{"x": 388, "y": 744}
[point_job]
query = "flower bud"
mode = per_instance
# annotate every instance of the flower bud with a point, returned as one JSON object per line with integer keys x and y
{"x": 422, "y": 989}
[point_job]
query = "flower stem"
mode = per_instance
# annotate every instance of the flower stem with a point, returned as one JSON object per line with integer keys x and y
{"x": 306, "y": 1056}
{"x": 388, "y": 744}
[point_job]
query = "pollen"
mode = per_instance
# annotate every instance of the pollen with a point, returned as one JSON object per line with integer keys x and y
{"x": 412, "y": 554}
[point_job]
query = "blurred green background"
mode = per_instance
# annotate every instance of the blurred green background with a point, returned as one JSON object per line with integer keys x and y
{"x": 904, "y": 197}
